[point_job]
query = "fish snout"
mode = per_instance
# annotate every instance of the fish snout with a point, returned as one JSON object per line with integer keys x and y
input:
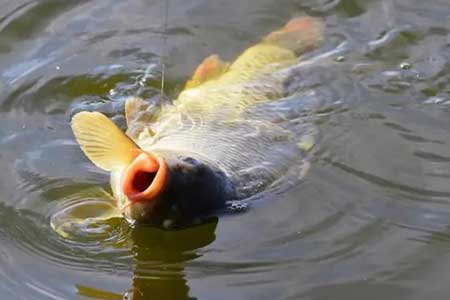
{"x": 145, "y": 177}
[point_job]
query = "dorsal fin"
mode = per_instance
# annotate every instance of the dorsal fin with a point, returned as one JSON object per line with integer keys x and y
{"x": 210, "y": 68}
{"x": 105, "y": 144}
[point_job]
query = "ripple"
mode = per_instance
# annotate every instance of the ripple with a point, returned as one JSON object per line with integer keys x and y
{"x": 394, "y": 185}
{"x": 371, "y": 213}
{"x": 432, "y": 157}
{"x": 33, "y": 235}
{"x": 86, "y": 216}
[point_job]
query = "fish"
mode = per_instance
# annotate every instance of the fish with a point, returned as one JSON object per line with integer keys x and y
{"x": 222, "y": 139}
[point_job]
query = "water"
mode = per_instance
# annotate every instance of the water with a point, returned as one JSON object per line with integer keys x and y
{"x": 370, "y": 220}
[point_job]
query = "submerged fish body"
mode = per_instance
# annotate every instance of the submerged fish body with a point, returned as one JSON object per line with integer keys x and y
{"x": 219, "y": 140}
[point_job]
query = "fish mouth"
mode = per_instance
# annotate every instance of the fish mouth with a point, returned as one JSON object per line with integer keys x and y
{"x": 145, "y": 178}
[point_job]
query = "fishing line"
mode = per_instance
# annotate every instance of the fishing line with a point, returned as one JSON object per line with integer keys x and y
{"x": 165, "y": 13}
{"x": 149, "y": 69}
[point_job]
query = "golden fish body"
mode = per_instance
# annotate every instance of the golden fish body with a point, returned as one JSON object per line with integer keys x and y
{"x": 212, "y": 133}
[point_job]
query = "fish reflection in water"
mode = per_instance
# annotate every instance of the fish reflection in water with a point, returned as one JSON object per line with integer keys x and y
{"x": 159, "y": 259}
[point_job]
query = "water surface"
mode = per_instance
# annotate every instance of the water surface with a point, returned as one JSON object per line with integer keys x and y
{"x": 370, "y": 219}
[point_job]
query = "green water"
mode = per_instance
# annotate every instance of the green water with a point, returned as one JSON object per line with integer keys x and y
{"x": 369, "y": 221}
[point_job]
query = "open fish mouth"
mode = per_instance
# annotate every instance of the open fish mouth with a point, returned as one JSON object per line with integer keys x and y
{"x": 145, "y": 178}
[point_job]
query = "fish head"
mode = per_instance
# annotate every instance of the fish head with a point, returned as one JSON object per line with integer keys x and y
{"x": 156, "y": 187}
{"x": 168, "y": 189}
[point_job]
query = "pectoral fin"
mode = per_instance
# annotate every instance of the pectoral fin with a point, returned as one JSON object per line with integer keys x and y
{"x": 211, "y": 68}
{"x": 102, "y": 141}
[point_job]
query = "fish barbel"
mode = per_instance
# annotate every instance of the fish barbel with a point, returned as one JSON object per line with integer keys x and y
{"x": 213, "y": 144}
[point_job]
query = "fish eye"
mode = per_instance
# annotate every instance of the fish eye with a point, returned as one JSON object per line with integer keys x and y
{"x": 198, "y": 167}
{"x": 190, "y": 160}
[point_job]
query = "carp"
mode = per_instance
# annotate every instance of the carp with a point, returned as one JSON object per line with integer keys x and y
{"x": 220, "y": 140}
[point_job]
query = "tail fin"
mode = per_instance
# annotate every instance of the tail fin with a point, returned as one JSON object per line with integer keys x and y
{"x": 298, "y": 35}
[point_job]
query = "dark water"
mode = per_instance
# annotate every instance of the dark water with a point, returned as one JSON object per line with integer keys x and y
{"x": 369, "y": 221}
